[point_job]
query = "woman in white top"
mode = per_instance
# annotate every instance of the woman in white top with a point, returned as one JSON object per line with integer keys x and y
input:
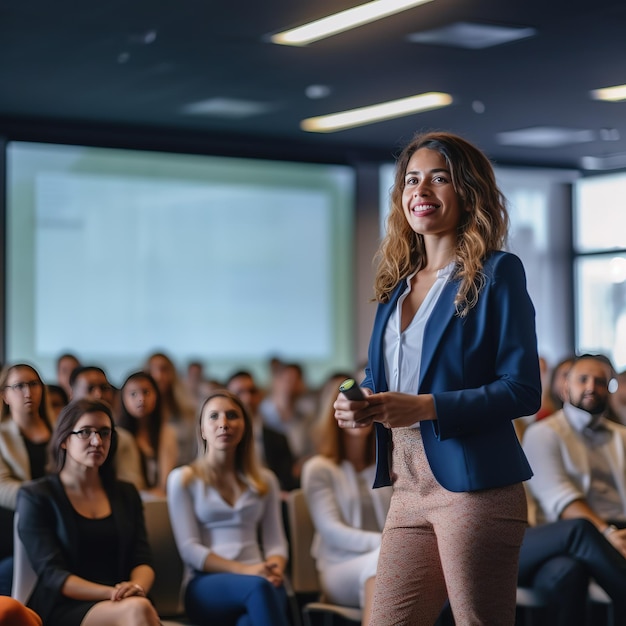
{"x": 217, "y": 506}
{"x": 347, "y": 513}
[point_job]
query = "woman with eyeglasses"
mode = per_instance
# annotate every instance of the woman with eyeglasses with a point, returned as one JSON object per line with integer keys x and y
{"x": 83, "y": 530}
{"x": 25, "y": 429}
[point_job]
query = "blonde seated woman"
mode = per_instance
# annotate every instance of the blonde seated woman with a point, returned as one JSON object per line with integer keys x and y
{"x": 84, "y": 531}
{"x": 347, "y": 513}
{"x": 219, "y": 507}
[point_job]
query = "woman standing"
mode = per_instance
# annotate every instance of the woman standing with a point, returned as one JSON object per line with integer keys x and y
{"x": 218, "y": 507}
{"x": 141, "y": 415}
{"x": 84, "y": 531}
{"x": 452, "y": 361}
{"x": 25, "y": 429}
{"x": 347, "y": 514}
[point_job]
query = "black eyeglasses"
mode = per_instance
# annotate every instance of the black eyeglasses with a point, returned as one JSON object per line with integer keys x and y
{"x": 88, "y": 433}
{"x": 31, "y": 384}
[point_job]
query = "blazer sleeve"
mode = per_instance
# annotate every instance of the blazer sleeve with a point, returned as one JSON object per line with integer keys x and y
{"x": 319, "y": 486}
{"x": 37, "y": 529}
{"x": 499, "y": 377}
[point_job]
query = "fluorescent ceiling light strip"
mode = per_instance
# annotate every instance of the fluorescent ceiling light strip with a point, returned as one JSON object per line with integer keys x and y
{"x": 342, "y": 21}
{"x": 376, "y": 113}
{"x": 611, "y": 94}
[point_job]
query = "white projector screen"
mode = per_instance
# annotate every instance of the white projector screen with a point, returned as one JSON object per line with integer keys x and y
{"x": 113, "y": 254}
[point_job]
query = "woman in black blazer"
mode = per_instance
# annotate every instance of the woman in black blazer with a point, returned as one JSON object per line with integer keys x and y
{"x": 84, "y": 531}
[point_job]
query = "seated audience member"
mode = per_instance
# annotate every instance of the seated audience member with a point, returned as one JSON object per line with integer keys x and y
{"x": 272, "y": 446}
{"x": 25, "y": 429}
{"x": 91, "y": 383}
{"x": 179, "y": 408}
{"x": 66, "y": 364}
{"x": 141, "y": 415}
{"x": 197, "y": 384}
{"x": 223, "y": 508}
{"x": 83, "y": 530}
{"x": 57, "y": 399}
{"x": 285, "y": 410}
{"x": 579, "y": 456}
{"x": 347, "y": 513}
{"x": 14, "y": 613}
{"x": 560, "y": 558}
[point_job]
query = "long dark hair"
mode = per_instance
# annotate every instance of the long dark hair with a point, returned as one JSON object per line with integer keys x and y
{"x": 154, "y": 419}
{"x": 67, "y": 420}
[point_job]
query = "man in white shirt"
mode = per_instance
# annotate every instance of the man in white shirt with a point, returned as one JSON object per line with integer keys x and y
{"x": 578, "y": 456}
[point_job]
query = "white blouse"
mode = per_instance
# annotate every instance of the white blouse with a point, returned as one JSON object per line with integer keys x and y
{"x": 403, "y": 349}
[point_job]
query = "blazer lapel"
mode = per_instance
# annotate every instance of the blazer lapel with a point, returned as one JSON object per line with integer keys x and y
{"x": 382, "y": 317}
{"x": 439, "y": 319}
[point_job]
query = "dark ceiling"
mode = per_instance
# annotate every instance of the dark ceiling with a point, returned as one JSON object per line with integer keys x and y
{"x": 98, "y": 71}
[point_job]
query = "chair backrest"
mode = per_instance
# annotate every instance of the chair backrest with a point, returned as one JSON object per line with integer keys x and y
{"x": 168, "y": 566}
{"x": 24, "y": 576}
{"x": 304, "y": 577}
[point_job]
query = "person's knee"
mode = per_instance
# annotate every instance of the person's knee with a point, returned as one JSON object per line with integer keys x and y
{"x": 141, "y": 611}
{"x": 259, "y": 585}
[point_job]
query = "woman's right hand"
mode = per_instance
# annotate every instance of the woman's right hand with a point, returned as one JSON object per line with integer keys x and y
{"x": 353, "y": 413}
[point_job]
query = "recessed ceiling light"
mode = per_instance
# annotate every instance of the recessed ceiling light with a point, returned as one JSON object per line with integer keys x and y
{"x": 342, "y": 21}
{"x": 226, "y": 107}
{"x": 376, "y": 113}
{"x": 610, "y": 94}
{"x": 472, "y": 36}
{"x": 614, "y": 161}
{"x": 544, "y": 137}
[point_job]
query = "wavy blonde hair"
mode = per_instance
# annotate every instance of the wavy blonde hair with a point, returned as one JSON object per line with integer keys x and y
{"x": 482, "y": 229}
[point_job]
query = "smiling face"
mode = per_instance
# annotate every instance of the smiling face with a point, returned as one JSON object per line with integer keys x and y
{"x": 91, "y": 451}
{"x": 431, "y": 205}
{"x": 139, "y": 397}
{"x": 222, "y": 425}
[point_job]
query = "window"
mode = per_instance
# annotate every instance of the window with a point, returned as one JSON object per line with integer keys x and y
{"x": 600, "y": 266}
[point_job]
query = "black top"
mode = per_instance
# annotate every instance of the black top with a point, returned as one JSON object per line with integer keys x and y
{"x": 36, "y": 457}
{"x": 96, "y": 563}
{"x": 48, "y": 527}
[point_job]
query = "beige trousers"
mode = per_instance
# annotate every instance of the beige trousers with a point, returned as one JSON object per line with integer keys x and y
{"x": 438, "y": 543}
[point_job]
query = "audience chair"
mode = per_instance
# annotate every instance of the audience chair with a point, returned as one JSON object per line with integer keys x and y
{"x": 168, "y": 566}
{"x": 304, "y": 579}
{"x": 24, "y": 576}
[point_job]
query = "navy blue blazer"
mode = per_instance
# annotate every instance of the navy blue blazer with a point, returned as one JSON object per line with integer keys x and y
{"x": 483, "y": 372}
